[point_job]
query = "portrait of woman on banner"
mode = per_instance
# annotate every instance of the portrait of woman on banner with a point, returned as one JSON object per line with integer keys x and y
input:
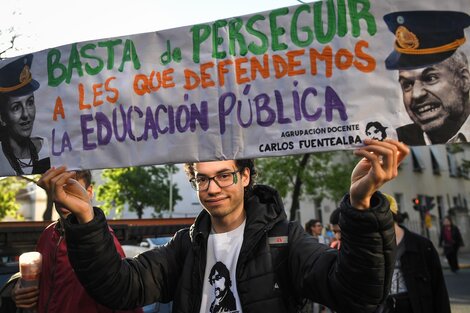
{"x": 21, "y": 153}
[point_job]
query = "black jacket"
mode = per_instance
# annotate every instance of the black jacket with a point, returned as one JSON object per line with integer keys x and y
{"x": 422, "y": 270}
{"x": 411, "y": 134}
{"x": 353, "y": 280}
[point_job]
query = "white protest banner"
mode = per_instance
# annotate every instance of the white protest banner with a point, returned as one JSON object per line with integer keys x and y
{"x": 313, "y": 77}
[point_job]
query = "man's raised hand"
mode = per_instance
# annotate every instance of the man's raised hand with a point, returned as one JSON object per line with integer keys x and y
{"x": 63, "y": 188}
{"x": 379, "y": 165}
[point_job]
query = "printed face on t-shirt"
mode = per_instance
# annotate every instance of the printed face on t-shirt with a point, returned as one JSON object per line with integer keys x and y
{"x": 219, "y": 284}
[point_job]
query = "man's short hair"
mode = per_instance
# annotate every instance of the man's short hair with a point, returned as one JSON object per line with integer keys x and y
{"x": 456, "y": 63}
{"x": 241, "y": 164}
{"x": 334, "y": 217}
{"x": 85, "y": 175}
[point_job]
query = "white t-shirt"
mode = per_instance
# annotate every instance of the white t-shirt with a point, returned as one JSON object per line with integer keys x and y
{"x": 219, "y": 292}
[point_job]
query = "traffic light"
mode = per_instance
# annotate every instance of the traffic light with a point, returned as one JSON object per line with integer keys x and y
{"x": 416, "y": 204}
{"x": 430, "y": 203}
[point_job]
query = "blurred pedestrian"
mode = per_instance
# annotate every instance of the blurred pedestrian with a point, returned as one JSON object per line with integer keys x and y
{"x": 418, "y": 284}
{"x": 451, "y": 241}
{"x": 334, "y": 224}
{"x": 315, "y": 228}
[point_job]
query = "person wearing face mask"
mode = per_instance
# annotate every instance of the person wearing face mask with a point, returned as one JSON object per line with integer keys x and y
{"x": 20, "y": 152}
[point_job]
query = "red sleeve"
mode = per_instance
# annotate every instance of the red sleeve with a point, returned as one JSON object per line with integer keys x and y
{"x": 117, "y": 243}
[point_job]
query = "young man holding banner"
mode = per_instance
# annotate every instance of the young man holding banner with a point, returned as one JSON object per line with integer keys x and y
{"x": 433, "y": 75}
{"x": 272, "y": 264}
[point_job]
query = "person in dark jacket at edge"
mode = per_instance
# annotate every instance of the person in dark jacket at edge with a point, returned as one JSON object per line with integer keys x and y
{"x": 418, "y": 284}
{"x": 234, "y": 228}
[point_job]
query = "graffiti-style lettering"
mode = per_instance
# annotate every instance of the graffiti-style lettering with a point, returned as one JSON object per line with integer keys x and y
{"x": 99, "y": 129}
{"x": 269, "y": 109}
{"x": 144, "y": 84}
{"x": 58, "y": 109}
{"x": 89, "y": 59}
{"x": 334, "y": 14}
{"x": 65, "y": 143}
{"x": 112, "y": 94}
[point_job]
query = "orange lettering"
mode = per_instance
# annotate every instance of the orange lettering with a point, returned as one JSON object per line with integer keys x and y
{"x": 256, "y": 67}
{"x": 326, "y": 55}
{"x": 280, "y": 66}
{"x": 221, "y": 71}
{"x": 142, "y": 88}
{"x": 291, "y": 55}
{"x": 111, "y": 90}
{"x": 206, "y": 79}
{"x": 97, "y": 91}
{"x": 370, "y": 66}
{"x": 81, "y": 98}
{"x": 168, "y": 78}
{"x": 240, "y": 71}
{"x": 58, "y": 109}
{"x": 158, "y": 78}
{"x": 348, "y": 59}
{"x": 188, "y": 76}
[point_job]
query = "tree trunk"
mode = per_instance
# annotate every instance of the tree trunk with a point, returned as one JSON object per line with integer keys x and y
{"x": 140, "y": 212}
{"x": 297, "y": 187}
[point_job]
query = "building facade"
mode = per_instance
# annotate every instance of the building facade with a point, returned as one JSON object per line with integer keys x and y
{"x": 437, "y": 176}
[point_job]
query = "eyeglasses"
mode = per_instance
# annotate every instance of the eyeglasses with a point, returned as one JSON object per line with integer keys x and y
{"x": 201, "y": 183}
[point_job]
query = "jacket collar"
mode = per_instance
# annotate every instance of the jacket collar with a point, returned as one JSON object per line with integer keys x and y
{"x": 410, "y": 243}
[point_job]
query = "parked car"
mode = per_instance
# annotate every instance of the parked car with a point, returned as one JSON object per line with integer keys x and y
{"x": 147, "y": 244}
{"x": 151, "y": 243}
{"x": 158, "y": 307}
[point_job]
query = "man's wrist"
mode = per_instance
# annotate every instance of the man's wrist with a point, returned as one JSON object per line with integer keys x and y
{"x": 362, "y": 204}
{"x": 86, "y": 217}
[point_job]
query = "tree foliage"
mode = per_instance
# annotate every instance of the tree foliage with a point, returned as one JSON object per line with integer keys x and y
{"x": 138, "y": 187}
{"x": 317, "y": 176}
{"x": 9, "y": 188}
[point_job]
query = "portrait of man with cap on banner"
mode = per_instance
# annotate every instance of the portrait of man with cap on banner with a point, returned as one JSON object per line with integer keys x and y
{"x": 433, "y": 74}
{"x": 21, "y": 153}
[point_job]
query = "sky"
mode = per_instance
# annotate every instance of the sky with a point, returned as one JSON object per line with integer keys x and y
{"x": 51, "y": 23}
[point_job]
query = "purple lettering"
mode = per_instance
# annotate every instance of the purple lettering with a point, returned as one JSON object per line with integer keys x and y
{"x": 223, "y": 112}
{"x": 333, "y": 102}
{"x": 119, "y": 137}
{"x": 262, "y": 104}
{"x": 309, "y": 117}
{"x": 280, "y": 109}
{"x": 84, "y": 119}
{"x": 103, "y": 126}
